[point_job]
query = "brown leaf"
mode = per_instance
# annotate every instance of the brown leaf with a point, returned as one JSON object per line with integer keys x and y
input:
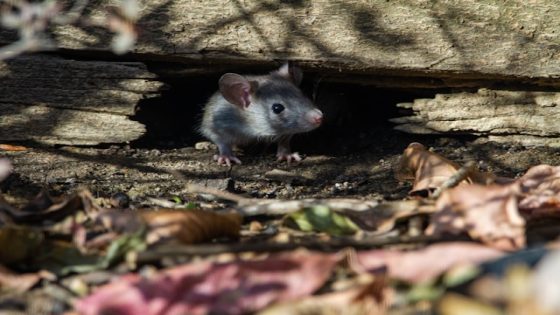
{"x": 382, "y": 218}
{"x": 9, "y": 147}
{"x": 429, "y": 170}
{"x": 237, "y": 287}
{"x": 428, "y": 263}
{"x": 540, "y": 192}
{"x": 190, "y": 226}
{"x": 486, "y": 213}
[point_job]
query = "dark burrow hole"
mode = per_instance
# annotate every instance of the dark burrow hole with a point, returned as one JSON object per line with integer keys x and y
{"x": 356, "y": 116}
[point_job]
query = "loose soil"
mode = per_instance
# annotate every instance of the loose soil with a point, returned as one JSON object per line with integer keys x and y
{"x": 363, "y": 169}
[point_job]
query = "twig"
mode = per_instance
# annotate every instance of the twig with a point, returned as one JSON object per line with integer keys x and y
{"x": 198, "y": 189}
{"x": 461, "y": 174}
{"x": 263, "y": 247}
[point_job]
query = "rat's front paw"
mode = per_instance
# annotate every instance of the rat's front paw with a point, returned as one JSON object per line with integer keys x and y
{"x": 289, "y": 157}
{"x": 226, "y": 159}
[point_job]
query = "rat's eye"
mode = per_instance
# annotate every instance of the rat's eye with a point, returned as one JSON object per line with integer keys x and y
{"x": 277, "y": 108}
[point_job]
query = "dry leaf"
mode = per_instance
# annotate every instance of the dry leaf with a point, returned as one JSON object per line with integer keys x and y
{"x": 190, "y": 226}
{"x": 486, "y": 213}
{"x": 9, "y": 147}
{"x": 429, "y": 170}
{"x": 540, "y": 189}
{"x": 237, "y": 287}
{"x": 382, "y": 218}
{"x": 423, "y": 265}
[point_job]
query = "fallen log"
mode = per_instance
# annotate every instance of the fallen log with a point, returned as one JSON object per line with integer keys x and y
{"x": 525, "y": 117}
{"x": 53, "y": 100}
{"x": 458, "y": 42}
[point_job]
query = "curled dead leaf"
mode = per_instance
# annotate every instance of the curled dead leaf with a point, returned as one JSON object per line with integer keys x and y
{"x": 487, "y": 213}
{"x": 540, "y": 192}
{"x": 383, "y": 217}
{"x": 429, "y": 170}
{"x": 207, "y": 287}
{"x": 190, "y": 226}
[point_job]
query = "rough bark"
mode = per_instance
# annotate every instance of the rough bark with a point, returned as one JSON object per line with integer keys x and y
{"x": 529, "y": 118}
{"x": 454, "y": 39}
{"x": 58, "y": 101}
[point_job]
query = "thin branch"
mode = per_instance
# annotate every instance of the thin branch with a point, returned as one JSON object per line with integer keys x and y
{"x": 198, "y": 189}
{"x": 263, "y": 247}
{"x": 461, "y": 174}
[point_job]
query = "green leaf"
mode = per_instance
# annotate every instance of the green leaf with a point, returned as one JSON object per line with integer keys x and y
{"x": 192, "y": 205}
{"x": 63, "y": 259}
{"x": 459, "y": 275}
{"x": 424, "y": 292}
{"x": 323, "y": 219}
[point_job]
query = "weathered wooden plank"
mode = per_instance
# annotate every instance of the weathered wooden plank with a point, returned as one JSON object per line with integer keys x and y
{"x": 112, "y": 87}
{"x": 50, "y": 125}
{"x": 462, "y": 39}
{"x": 58, "y": 101}
{"x": 507, "y": 116}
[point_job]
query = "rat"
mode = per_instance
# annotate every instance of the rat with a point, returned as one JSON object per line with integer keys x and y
{"x": 249, "y": 108}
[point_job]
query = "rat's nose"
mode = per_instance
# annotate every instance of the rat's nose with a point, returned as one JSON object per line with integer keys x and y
{"x": 315, "y": 116}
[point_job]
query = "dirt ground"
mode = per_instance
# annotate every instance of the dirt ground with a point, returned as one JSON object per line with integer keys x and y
{"x": 363, "y": 169}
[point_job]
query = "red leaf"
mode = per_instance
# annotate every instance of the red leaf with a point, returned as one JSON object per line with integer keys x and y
{"x": 218, "y": 288}
{"x": 486, "y": 213}
{"x": 425, "y": 264}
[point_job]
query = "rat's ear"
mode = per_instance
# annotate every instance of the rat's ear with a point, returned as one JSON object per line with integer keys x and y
{"x": 236, "y": 89}
{"x": 290, "y": 72}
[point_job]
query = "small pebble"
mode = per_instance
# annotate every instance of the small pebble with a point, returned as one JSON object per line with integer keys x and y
{"x": 205, "y": 146}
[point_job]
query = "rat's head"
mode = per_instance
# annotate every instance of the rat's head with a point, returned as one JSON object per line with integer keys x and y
{"x": 273, "y": 103}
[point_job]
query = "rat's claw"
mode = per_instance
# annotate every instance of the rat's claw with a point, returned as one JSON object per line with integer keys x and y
{"x": 290, "y": 157}
{"x": 226, "y": 159}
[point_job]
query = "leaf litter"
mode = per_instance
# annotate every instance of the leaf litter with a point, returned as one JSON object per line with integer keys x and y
{"x": 245, "y": 255}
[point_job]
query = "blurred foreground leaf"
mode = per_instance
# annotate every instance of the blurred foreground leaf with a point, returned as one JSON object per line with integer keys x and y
{"x": 207, "y": 287}
{"x": 323, "y": 219}
{"x": 189, "y": 226}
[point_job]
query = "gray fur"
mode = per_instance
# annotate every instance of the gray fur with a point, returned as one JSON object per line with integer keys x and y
{"x": 227, "y": 124}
